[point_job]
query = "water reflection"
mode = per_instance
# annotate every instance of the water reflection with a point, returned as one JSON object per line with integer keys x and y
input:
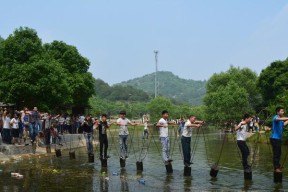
{"x": 62, "y": 174}
{"x": 104, "y": 180}
{"x": 167, "y": 183}
{"x": 124, "y": 180}
{"x": 247, "y": 185}
{"x": 187, "y": 183}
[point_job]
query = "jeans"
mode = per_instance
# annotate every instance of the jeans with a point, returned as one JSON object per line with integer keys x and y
{"x": 165, "y": 148}
{"x": 103, "y": 144}
{"x": 186, "y": 148}
{"x": 276, "y": 147}
{"x": 33, "y": 130}
{"x": 89, "y": 143}
{"x": 123, "y": 140}
{"x": 245, "y": 153}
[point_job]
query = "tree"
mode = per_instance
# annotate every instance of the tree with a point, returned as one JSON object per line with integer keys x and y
{"x": 228, "y": 103}
{"x": 53, "y": 76}
{"x": 23, "y": 46}
{"x": 157, "y": 105}
{"x": 43, "y": 84}
{"x": 68, "y": 56}
{"x": 222, "y": 104}
{"x": 273, "y": 82}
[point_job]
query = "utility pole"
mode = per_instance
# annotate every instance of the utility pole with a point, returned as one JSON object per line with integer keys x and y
{"x": 156, "y": 80}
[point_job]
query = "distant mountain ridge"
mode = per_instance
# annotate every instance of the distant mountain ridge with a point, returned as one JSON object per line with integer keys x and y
{"x": 171, "y": 86}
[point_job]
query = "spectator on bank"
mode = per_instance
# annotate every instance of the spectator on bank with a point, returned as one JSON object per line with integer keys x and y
{"x": 15, "y": 129}
{"x": 6, "y": 127}
{"x": 35, "y": 119}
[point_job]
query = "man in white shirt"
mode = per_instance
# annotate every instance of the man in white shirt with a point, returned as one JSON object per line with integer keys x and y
{"x": 164, "y": 136}
{"x": 6, "y": 136}
{"x": 241, "y": 140}
{"x": 123, "y": 122}
{"x": 186, "y": 138}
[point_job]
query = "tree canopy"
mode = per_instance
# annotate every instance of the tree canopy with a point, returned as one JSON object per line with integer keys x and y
{"x": 51, "y": 76}
{"x": 230, "y": 94}
{"x": 273, "y": 82}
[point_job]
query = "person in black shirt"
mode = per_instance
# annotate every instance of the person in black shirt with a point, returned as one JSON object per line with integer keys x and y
{"x": 87, "y": 127}
{"x": 102, "y": 127}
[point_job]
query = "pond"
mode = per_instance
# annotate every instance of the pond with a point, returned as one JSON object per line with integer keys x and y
{"x": 51, "y": 173}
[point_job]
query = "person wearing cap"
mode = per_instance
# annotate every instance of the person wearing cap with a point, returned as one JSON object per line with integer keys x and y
{"x": 123, "y": 122}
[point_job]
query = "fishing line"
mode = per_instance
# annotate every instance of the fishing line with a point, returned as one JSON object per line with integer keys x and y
{"x": 157, "y": 146}
{"x": 147, "y": 148}
{"x": 131, "y": 143}
{"x": 221, "y": 150}
{"x": 193, "y": 150}
{"x": 175, "y": 136}
{"x": 113, "y": 140}
{"x": 206, "y": 147}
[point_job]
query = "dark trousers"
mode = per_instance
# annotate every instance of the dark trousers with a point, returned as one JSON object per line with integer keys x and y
{"x": 276, "y": 147}
{"x": 47, "y": 134}
{"x": 6, "y": 136}
{"x": 245, "y": 153}
{"x": 186, "y": 148}
{"x": 103, "y": 144}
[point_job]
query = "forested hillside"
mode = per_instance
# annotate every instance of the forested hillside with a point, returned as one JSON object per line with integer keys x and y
{"x": 171, "y": 86}
{"x": 118, "y": 92}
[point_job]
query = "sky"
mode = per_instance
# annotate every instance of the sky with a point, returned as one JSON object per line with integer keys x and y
{"x": 194, "y": 38}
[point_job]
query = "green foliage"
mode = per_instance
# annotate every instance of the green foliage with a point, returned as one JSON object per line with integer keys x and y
{"x": 171, "y": 86}
{"x": 23, "y": 46}
{"x": 52, "y": 77}
{"x": 100, "y": 105}
{"x": 119, "y": 93}
{"x": 231, "y": 94}
{"x": 184, "y": 111}
{"x": 68, "y": 56}
{"x": 273, "y": 83}
{"x": 157, "y": 105}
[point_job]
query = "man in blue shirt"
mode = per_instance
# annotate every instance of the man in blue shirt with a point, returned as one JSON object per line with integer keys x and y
{"x": 275, "y": 139}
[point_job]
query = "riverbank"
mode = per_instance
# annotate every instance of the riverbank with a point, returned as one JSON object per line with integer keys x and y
{"x": 12, "y": 152}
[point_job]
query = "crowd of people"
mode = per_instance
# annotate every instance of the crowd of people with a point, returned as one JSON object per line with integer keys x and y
{"x": 25, "y": 126}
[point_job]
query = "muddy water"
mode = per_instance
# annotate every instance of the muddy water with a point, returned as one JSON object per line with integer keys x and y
{"x": 51, "y": 173}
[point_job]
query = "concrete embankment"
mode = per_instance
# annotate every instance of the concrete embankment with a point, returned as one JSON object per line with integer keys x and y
{"x": 9, "y": 152}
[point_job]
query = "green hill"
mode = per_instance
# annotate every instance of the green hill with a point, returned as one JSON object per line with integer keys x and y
{"x": 170, "y": 85}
